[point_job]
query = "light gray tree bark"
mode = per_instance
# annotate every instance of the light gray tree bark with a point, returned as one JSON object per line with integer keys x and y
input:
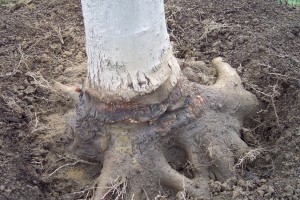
{"x": 128, "y": 48}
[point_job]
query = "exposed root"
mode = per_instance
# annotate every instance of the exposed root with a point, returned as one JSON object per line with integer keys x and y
{"x": 70, "y": 91}
{"x": 159, "y": 197}
{"x": 71, "y": 162}
{"x": 40, "y": 81}
{"x": 182, "y": 195}
{"x": 271, "y": 98}
{"x": 174, "y": 179}
{"x": 227, "y": 76}
{"x": 36, "y": 121}
{"x": 203, "y": 123}
{"x": 249, "y": 156}
{"x": 117, "y": 189}
{"x": 65, "y": 165}
{"x": 16, "y": 69}
{"x": 112, "y": 183}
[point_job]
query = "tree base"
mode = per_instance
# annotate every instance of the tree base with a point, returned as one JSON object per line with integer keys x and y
{"x": 178, "y": 144}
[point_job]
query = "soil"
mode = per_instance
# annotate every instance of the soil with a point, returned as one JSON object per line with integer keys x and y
{"x": 43, "y": 41}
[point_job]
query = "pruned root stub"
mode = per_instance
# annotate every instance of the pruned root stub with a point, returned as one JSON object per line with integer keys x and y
{"x": 138, "y": 156}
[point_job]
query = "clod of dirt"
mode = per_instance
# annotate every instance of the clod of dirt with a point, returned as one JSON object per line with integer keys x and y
{"x": 197, "y": 71}
{"x": 29, "y": 90}
{"x": 288, "y": 191}
{"x": 79, "y": 57}
{"x": 238, "y": 192}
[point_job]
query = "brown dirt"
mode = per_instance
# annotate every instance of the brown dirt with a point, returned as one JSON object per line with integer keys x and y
{"x": 43, "y": 41}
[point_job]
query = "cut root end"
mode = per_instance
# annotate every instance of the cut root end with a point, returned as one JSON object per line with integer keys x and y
{"x": 69, "y": 91}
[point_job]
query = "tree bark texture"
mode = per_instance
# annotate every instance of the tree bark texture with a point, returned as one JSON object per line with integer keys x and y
{"x": 128, "y": 48}
{"x": 178, "y": 144}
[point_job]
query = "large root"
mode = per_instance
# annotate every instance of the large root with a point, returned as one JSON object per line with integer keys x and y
{"x": 133, "y": 143}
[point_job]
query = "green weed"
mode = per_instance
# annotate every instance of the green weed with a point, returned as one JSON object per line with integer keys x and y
{"x": 290, "y": 2}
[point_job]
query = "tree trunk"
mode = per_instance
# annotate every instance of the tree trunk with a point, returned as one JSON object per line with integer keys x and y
{"x": 128, "y": 48}
{"x": 150, "y": 129}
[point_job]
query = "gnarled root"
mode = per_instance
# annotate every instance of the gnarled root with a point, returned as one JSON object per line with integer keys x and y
{"x": 142, "y": 156}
